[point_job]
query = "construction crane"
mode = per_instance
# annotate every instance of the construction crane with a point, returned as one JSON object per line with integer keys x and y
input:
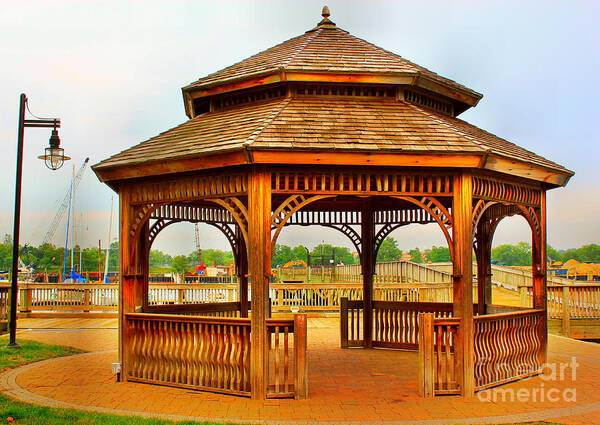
{"x": 197, "y": 238}
{"x": 63, "y": 207}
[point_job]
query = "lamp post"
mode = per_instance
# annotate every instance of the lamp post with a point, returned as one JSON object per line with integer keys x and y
{"x": 54, "y": 158}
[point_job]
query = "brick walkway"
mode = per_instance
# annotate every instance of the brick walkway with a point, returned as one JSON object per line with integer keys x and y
{"x": 360, "y": 386}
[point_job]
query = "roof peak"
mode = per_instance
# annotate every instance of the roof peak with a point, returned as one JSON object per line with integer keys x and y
{"x": 325, "y": 13}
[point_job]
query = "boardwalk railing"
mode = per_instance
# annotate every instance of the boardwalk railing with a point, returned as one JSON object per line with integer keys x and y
{"x": 393, "y": 272}
{"x": 4, "y": 308}
{"x": 507, "y": 277}
{"x": 326, "y": 297}
{"x": 213, "y": 353}
{"x": 574, "y": 309}
{"x": 507, "y": 347}
{"x": 85, "y": 297}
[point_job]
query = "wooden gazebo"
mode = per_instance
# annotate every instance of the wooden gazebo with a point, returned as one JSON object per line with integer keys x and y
{"x": 326, "y": 129}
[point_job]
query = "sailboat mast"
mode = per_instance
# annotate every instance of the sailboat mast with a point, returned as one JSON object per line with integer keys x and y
{"x": 73, "y": 223}
{"x": 109, "y": 235}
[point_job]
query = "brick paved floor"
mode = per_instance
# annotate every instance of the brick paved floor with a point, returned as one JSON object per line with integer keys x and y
{"x": 345, "y": 386}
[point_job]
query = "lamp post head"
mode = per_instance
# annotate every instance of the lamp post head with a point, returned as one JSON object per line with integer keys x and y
{"x": 54, "y": 156}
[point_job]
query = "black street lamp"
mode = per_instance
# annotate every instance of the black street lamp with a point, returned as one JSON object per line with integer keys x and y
{"x": 54, "y": 158}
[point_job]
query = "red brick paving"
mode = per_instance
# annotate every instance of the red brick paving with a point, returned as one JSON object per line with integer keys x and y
{"x": 353, "y": 385}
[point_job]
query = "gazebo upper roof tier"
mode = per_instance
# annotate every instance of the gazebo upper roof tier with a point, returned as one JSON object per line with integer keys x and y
{"x": 332, "y": 55}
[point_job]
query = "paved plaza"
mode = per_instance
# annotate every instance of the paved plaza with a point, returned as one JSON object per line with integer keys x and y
{"x": 345, "y": 386}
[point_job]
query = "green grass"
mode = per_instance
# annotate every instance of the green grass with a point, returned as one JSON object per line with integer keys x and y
{"x": 30, "y": 414}
{"x": 17, "y": 412}
{"x": 31, "y": 351}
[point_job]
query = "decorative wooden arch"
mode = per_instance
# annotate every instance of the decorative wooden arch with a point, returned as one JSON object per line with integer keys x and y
{"x": 288, "y": 208}
{"x": 350, "y": 233}
{"x": 161, "y": 224}
{"x": 505, "y": 209}
{"x": 439, "y": 213}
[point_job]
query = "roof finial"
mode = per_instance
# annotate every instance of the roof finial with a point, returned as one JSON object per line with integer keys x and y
{"x": 326, "y": 14}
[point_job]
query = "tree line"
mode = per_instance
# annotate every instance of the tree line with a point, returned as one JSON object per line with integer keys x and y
{"x": 50, "y": 258}
{"x": 520, "y": 254}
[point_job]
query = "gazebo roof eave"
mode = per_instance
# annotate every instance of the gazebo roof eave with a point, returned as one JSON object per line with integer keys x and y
{"x": 300, "y": 156}
{"x": 457, "y": 92}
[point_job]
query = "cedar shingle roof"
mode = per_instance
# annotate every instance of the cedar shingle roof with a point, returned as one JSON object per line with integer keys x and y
{"x": 317, "y": 124}
{"x": 325, "y": 48}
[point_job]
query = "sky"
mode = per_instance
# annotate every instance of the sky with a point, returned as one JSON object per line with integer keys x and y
{"x": 113, "y": 72}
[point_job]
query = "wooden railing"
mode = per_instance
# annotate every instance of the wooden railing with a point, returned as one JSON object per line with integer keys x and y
{"x": 68, "y": 297}
{"x": 507, "y": 277}
{"x": 85, "y": 297}
{"x": 581, "y": 301}
{"x": 351, "y": 319}
{"x": 189, "y": 351}
{"x": 326, "y": 297}
{"x": 395, "y": 324}
{"x": 577, "y": 305}
{"x": 213, "y": 353}
{"x": 4, "y": 304}
{"x": 507, "y": 347}
{"x": 393, "y": 272}
{"x": 437, "y": 355}
{"x": 287, "y": 357}
{"x": 169, "y": 293}
{"x": 227, "y": 309}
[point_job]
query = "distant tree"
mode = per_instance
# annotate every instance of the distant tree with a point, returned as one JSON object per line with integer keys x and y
{"x": 438, "y": 254}
{"x": 159, "y": 259}
{"x": 324, "y": 253}
{"x": 299, "y": 253}
{"x": 552, "y": 253}
{"x": 512, "y": 255}
{"x": 389, "y": 251}
{"x": 321, "y": 254}
{"x": 179, "y": 264}
{"x": 215, "y": 256}
{"x": 415, "y": 255}
{"x": 282, "y": 254}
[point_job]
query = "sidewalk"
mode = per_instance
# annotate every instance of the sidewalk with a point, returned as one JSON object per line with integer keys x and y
{"x": 345, "y": 386}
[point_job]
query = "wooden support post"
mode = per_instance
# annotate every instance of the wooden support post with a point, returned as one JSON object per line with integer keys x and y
{"x": 463, "y": 281}
{"x": 259, "y": 265}
{"x": 484, "y": 266}
{"x": 538, "y": 263}
{"x": 143, "y": 265}
{"x": 426, "y": 357}
{"x": 344, "y": 322}
{"x": 242, "y": 273}
{"x": 566, "y": 305}
{"x": 86, "y": 300}
{"x": 367, "y": 232}
{"x": 25, "y": 299}
{"x": 127, "y": 279}
{"x": 523, "y": 296}
{"x": 300, "y": 340}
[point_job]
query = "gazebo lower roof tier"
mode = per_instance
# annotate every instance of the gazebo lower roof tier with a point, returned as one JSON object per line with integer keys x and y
{"x": 308, "y": 130}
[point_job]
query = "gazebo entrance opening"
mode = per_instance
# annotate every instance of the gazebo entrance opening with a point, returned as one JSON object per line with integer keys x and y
{"x": 327, "y": 128}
